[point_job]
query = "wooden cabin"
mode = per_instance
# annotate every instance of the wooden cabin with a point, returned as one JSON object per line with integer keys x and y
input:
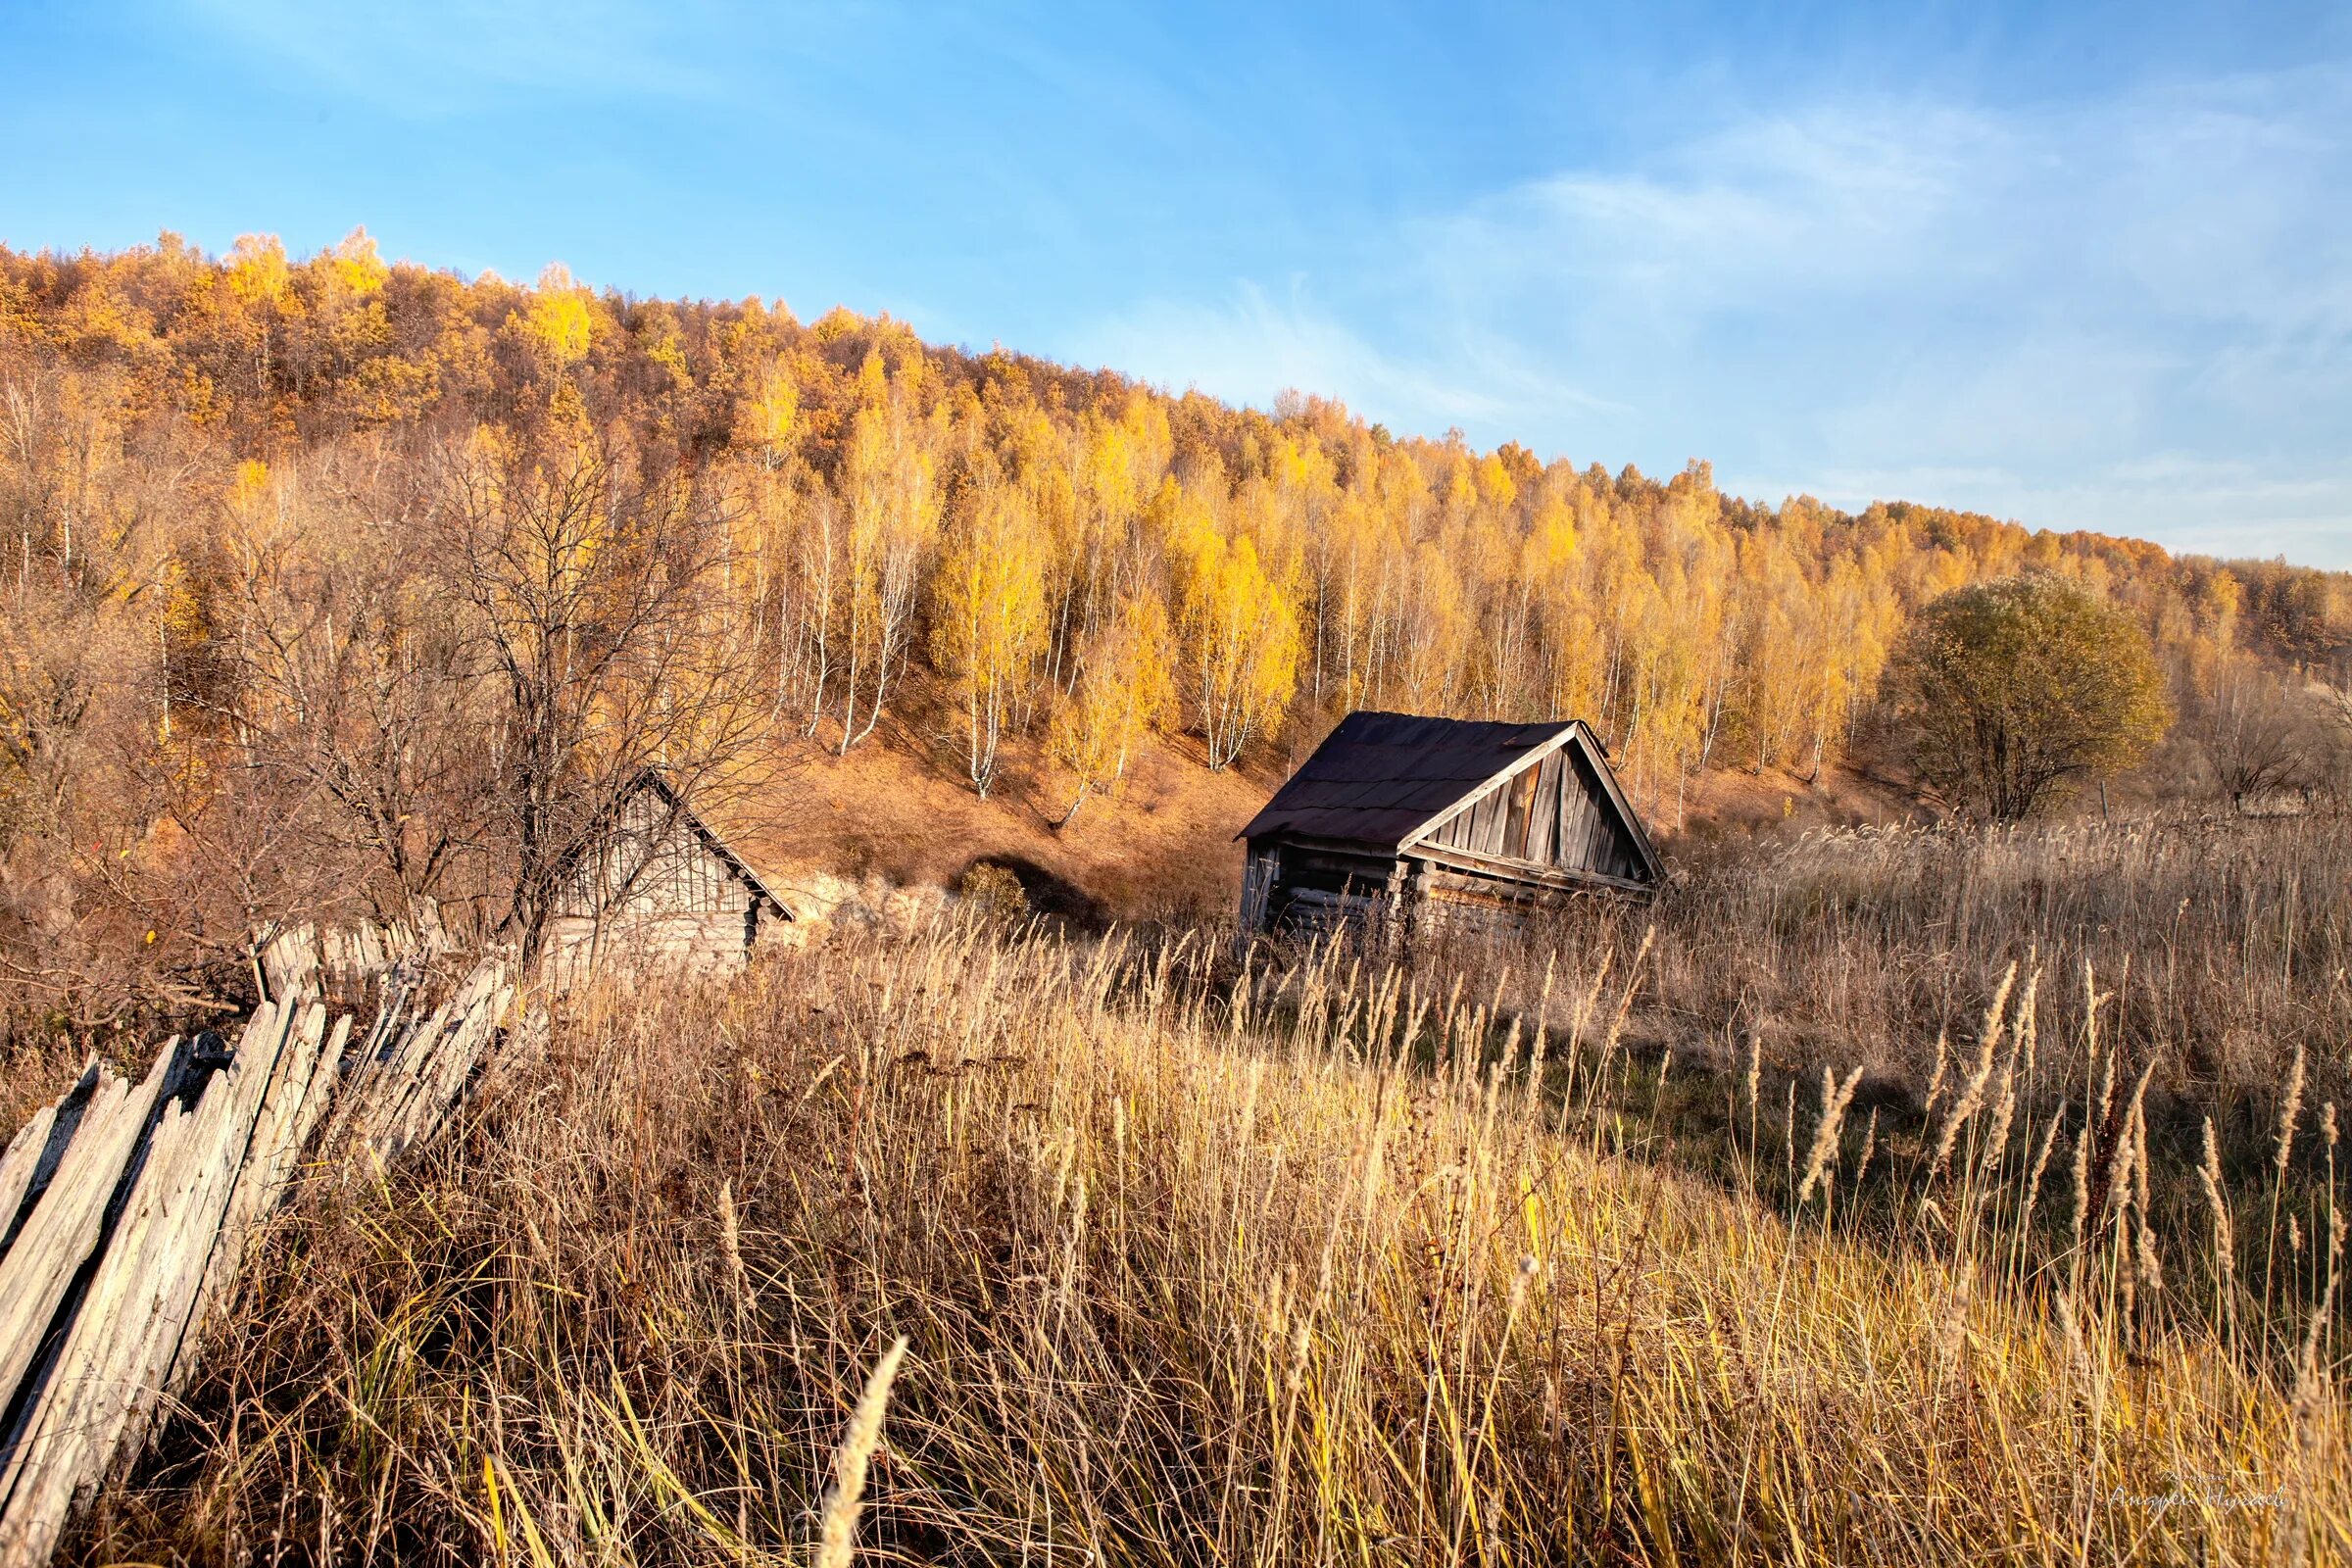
{"x": 1442, "y": 820}
{"x": 660, "y": 885}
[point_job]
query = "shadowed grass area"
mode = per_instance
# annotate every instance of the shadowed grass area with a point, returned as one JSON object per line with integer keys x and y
{"x": 1322, "y": 1266}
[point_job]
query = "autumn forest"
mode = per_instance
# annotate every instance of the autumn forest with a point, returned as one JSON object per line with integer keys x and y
{"x": 322, "y": 540}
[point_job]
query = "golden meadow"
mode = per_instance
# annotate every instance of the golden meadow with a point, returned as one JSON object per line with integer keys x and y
{"x": 1330, "y": 1257}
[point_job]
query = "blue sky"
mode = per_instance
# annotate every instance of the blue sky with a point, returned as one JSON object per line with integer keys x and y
{"x": 2083, "y": 266}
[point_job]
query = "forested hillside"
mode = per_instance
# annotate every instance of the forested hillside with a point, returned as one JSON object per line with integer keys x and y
{"x": 363, "y": 547}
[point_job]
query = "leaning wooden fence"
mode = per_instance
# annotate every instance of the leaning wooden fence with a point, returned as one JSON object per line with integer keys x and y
{"x": 125, "y": 1208}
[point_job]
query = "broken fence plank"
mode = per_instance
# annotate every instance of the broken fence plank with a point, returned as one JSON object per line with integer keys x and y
{"x": 139, "y": 1205}
{"x": 66, "y": 1224}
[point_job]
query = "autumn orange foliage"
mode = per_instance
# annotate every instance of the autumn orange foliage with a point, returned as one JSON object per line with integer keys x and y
{"x": 212, "y": 469}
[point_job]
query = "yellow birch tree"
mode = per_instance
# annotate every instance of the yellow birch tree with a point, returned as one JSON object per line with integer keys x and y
{"x": 1125, "y": 690}
{"x": 987, "y": 617}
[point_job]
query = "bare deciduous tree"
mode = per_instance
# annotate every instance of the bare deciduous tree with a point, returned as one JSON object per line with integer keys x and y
{"x": 360, "y": 699}
{"x": 589, "y": 588}
{"x": 2257, "y": 732}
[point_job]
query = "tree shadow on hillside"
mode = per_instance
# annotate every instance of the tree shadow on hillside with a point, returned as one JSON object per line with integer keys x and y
{"x": 1049, "y": 893}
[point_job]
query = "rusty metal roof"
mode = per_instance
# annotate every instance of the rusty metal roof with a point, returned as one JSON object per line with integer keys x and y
{"x": 1380, "y": 777}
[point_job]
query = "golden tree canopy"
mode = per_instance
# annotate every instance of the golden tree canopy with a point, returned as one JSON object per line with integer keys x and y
{"x": 2011, "y": 693}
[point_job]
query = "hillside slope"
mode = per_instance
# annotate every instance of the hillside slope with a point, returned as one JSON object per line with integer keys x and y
{"x": 304, "y": 552}
{"x": 1161, "y": 849}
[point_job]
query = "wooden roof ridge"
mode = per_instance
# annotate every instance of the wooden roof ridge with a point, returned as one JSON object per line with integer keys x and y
{"x": 650, "y": 776}
{"x": 1596, "y": 755}
{"x": 1532, "y": 757}
{"x": 1380, "y": 777}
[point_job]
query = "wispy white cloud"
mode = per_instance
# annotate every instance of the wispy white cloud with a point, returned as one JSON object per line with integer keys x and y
{"x": 2017, "y": 308}
{"x": 1796, "y": 205}
{"x": 1249, "y": 345}
{"x": 2132, "y": 314}
{"x": 426, "y": 57}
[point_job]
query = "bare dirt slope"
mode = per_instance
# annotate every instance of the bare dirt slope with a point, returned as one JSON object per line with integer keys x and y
{"x": 1161, "y": 849}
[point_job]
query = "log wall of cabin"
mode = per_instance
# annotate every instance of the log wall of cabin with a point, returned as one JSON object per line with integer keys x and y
{"x": 578, "y": 946}
{"x": 1288, "y": 883}
{"x": 1462, "y": 906}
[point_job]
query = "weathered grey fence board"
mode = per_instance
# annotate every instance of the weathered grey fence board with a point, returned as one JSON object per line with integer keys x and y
{"x": 65, "y": 1226}
{"x": 402, "y": 1094}
{"x": 23, "y": 1154}
{"x": 154, "y": 1194}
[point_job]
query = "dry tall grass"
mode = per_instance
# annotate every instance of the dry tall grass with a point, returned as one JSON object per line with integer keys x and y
{"x": 2227, "y": 943}
{"x": 1310, "y": 1264}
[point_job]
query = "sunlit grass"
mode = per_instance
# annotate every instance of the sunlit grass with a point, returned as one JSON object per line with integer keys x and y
{"x": 1317, "y": 1265}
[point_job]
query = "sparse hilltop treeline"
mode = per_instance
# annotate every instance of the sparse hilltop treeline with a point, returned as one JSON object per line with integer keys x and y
{"x": 434, "y": 525}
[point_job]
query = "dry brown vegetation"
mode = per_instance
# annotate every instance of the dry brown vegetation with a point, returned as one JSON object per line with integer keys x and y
{"x": 1327, "y": 1259}
{"x": 327, "y": 583}
{"x": 1163, "y": 852}
{"x": 2225, "y": 942}
{"x": 1886, "y": 1195}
